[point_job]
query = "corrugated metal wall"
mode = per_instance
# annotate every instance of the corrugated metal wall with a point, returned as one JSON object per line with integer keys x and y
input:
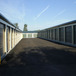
{"x": 8, "y": 37}
{"x": 1, "y": 38}
{"x": 53, "y": 34}
{"x": 61, "y": 34}
{"x": 24, "y": 35}
{"x": 11, "y": 38}
{"x": 56, "y": 34}
{"x": 68, "y": 34}
{"x": 35, "y": 35}
{"x": 29, "y": 35}
{"x": 75, "y": 34}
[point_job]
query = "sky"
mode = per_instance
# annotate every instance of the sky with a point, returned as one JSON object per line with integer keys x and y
{"x": 38, "y": 14}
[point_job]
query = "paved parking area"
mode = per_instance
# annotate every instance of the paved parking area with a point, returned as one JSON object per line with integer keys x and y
{"x": 37, "y": 57}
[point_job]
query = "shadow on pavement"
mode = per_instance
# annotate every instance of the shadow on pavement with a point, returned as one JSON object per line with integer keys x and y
{"x": 40, "y": 61}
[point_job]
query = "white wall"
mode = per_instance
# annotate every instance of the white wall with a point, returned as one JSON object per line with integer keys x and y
{"x": 32, "y": 35}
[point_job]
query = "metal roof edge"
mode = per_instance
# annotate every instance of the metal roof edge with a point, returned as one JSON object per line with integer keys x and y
{"x": 6, "y": 20}
{"x": 73, "y": 21}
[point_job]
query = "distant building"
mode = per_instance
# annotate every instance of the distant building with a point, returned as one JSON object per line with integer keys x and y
{"x": 30, "y": 34}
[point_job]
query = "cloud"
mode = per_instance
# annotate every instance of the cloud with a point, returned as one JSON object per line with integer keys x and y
{"x": 41, "y": 12}
{"x": 13, "y": 10}
{"x": 60, "y": 13}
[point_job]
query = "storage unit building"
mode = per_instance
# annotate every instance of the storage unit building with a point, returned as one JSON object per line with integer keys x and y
{"x": 63, "y": 33}
{"x": 30, "y": 34}
{"x": 8, "y": 37}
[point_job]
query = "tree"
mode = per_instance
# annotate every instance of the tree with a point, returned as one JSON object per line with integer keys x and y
{"x": 16, "y": 24}
{"x": 25, "y": 27}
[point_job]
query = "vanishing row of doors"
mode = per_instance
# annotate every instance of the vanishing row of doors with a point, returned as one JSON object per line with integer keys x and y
{"x": 30, "y": 35}
{"x": 8, "y": 38}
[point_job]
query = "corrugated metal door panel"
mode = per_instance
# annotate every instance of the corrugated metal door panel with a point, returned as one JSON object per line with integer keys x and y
{"x": 35, "y": 35}
{"x": 56, "y": 34}
{"x": 24, "y": 35}
{"x": 68, "y": 34}
{"x": 46, "y": 34}
{"x": 29, "y": 35}
{"x": 8, "y": 38}
{"x": 1, "y": 39}
{"x": 12, "y": 38}
{"x": 61, "y": 34}
{"x": 49, "y": 34}
{"x": 52, "y": 34}
{"x": 75, "y": 34}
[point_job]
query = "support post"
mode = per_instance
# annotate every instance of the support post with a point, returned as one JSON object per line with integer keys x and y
{"x": 10, "y": 38}
{"x": 5, "y": 38}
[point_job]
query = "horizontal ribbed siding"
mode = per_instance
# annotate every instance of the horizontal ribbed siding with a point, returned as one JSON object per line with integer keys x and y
{"x": 61, "y": 34}
{"x": 68, "y": 34}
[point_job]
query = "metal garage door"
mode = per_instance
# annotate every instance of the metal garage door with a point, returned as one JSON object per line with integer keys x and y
{"x": 29, "y": 35}
{"x": 49, "y": 34}
{"x": 11, "y": 38}
{"x": 68, "y": 34}
{"x": 53, "y": 34}
{"x": 35, "y": 35}
{"x": 8, "y": 38}
{"x": 61, "y": 34}
{"x": 1, "y": 39}
{"x": 56, "y": 34}
{"x": 24, "y": 35}
{"x": 75, "y": 34}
